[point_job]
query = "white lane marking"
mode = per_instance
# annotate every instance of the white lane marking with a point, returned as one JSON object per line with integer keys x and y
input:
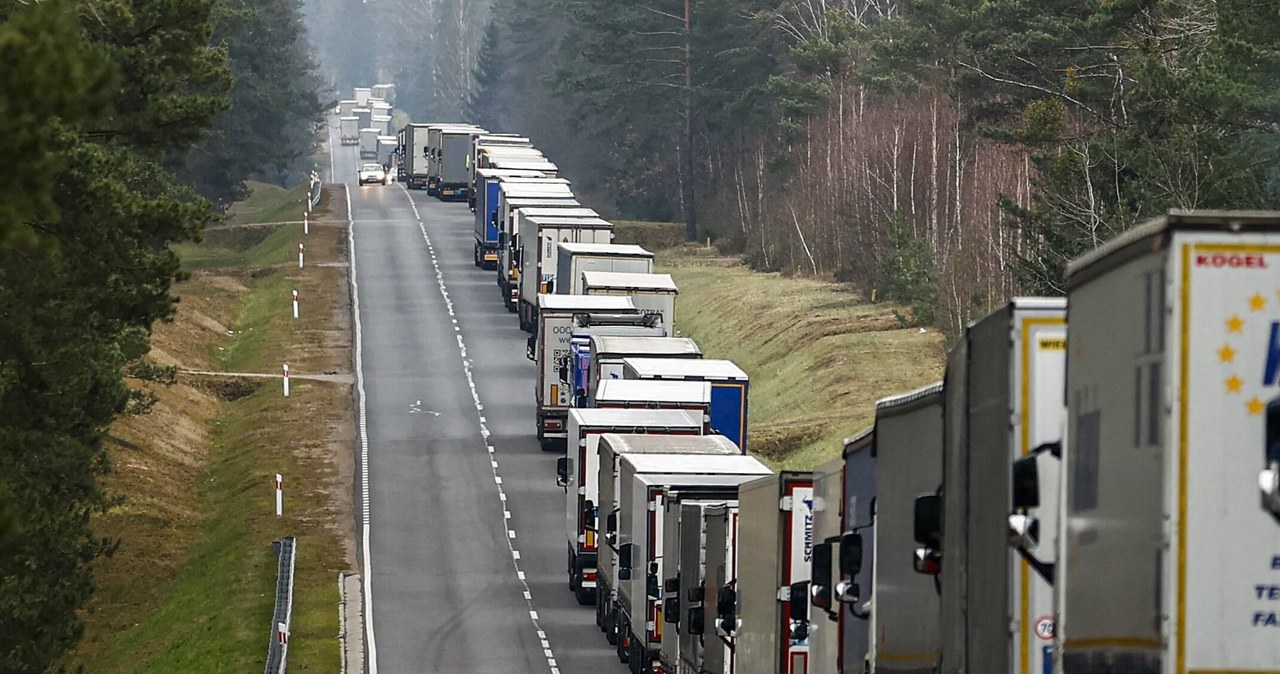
{"x": 370, "y": 643}
{"x": 484, "y": 431}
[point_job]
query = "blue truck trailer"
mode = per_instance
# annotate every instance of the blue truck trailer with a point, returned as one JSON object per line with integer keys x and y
{"x": 729, "y": 388}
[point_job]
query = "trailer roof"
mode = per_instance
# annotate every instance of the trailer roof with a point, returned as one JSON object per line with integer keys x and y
{"x": 577, "y": 212}
{"x": 625, "y": 443}
{"x": 574, "y": 303}
{"x": 582, "y": 222}
{"x": 628, "y": 281}
{"x": 614, "y": 249}
{"x": 718, "y": 469}
{"x": 905, "y": 400}
{"x": 1127, "y": 245}
{"x": 491, "y": 172}
{"x": 646, "y": 391}
{"x": 506, "y": 149}
{"x": 515, "y": 189}
{"x": 526, "y": 163}
{"x": 502, "y": 139}
{"x": 859, "y": 440}
{"x": 677, "y": 369}
{"x": 669, "y": 346}
{"x": 348, "y": 119}
{"x": 595, "y": 417}
{"x": 545, "y": 201}
{"x": 550, "y": 181}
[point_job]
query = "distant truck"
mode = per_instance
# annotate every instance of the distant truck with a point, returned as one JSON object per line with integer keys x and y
{"x": 484, "y": 204}
{"x": 363, "y": 94}
{"x": 347, "y": 108}
{"x": 415, "y": 156}
{"x": 578, "y": 474}
{"x": 538, "y": 240}
{"x": 368, "y": 143}
{"x": 659, "y": 395}
{"x": 720, "y": 573}
{"x": 349, "y": 130}
{"x": 549, "y": 350}
{"x": 575, "y": 258}
{"x": 386, "y": 151}
{"x": 730, "y": 387}
{"x": 450, "y": 150}
{"x": 435, "y": 150}
{"x": 652, "y": 293}
{"x": 383, "y": 124}
{"x": 365, "y": 115}
{"x": 1172, "y": 475}
{"x": 514, "y": 194}
{"x": 775, "y": 543}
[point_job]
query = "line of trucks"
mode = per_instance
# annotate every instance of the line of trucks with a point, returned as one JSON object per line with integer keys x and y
{"x": 365, "y": 121}
{"x": 1104, "y": 504}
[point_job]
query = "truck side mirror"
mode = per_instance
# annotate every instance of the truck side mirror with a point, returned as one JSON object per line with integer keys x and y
{"x": 820, "y": 573}
{"x": 611, "y": 523}
{"x": 797, "y": 600}
{"x": 848, "y": 592}
{"x": 562, "y": 472}
{"x": 531, "y": 347}
{"x": 927, "y": 529}
{"x": 671, "y": 606}
{"x": 727, "y": 610}
{"x": 696, "y": 621}
{"x": 624, "y": 560}
{"x": 1269, "y": 478}
{"x": 651, "y": 588}
{"x": 1026, "y": 483}
{"x": 851, "y": 554}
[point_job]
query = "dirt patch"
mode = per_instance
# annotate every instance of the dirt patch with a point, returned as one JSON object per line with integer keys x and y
{"x": 229, "y": 389}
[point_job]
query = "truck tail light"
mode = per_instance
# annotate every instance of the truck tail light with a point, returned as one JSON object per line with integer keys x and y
{"x": 589, "y": 544}
{"x": 589, "y": 576}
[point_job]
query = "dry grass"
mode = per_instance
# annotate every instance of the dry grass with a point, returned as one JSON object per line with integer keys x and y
{"x": 819, "y": 356}
{"x": 191, "y": 586}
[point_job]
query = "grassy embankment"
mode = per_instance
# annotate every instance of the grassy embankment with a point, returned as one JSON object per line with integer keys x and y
{"x": 192, "y": 585}
{"x": 819, "y": 355}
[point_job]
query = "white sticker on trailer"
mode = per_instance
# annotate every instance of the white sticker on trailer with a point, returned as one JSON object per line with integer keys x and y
{"x": 1228, "y": 595}
{"x": 801, "y": 533}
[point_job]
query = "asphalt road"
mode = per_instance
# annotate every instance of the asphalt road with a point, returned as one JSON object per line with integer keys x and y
{"x": 457, "y": 581}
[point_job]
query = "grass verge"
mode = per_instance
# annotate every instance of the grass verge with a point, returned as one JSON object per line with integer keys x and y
{"x": 192, "y": 585}
{"x": 819, "y": 357}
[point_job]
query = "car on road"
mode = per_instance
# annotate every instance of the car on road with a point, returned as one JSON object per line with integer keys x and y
{"x": 372, "y": 173}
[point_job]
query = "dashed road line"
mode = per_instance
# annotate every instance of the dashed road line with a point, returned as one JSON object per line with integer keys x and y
{"x": 484, "y": 434}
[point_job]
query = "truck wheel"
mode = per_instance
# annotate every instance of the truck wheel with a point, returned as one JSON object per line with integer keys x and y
{"x": 573, "y": 577}
{"x": 586, "y": 596}
{"x": 599, "y": 608}
{"x": 623, "y": 636}
{"x": 610, "y": 624}
{"x": 475, "y": 255}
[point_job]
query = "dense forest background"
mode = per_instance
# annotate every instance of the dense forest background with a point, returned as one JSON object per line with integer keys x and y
{"x": 948, "y": 153}
{"x": 128, "y": 126}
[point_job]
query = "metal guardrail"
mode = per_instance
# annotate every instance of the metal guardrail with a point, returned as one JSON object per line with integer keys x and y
{"x": 278, "y": 649}
{"x": 313, "y": 192}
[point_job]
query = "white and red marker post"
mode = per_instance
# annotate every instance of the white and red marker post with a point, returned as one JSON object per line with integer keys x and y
{"x": 295, "y": 304}
{"x": 306, "y": 224}
{"x": 282, "y": 634}
{"x": 299, "y": 256}
{"x": 286, "y": 380}
{"x": 279, "y": 495}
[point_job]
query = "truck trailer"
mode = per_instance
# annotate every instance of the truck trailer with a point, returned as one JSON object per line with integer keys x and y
{"x": 1172, "y": 539}
{"x": 435, "y": 150}
{"x": 539, "y": 237}
{"x": 730, "y": 387}
{"x": 652, "y": 293}
{"x": 453, "y": 174}
{"x": 579, "y": 471}
{"x": 349, "y": 130}
{"x": 654, "y": 395}
{"x": 601, "y": 358}
{"x": 645, "y": 482}
{"x": 416, "y": 156}
{"x": 368, "y": 143}
{"x": 549, "y": 350}
{"x": 484, "y": 197}
{"x": 575, "y": 258}
{"x": 775, "y": 544}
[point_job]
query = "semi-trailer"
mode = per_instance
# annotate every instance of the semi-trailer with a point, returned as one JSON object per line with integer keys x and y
{"x": 662, "y": 395}
{"x": 775, "y": 544}
{"x": 416, "y": 156}
{"x": 576, "y": 258}
{"x": 652, "y": 293}
{"x": 578, "y": 473}
{"x": 435, "y": 150}
{"x": 484, "y": 199}
{"x": 538, "y": 240}
{"x": 453, "y": 163}
{"x": 645, "y": 481}
{"x": 1172, "y": 458}
{"x": 730, "y": 387}
{"x": 368, "y": 143}
{"x": 349, "y": 130}
{"x": 601, "y": 358}
{"x": 549, "y": 350}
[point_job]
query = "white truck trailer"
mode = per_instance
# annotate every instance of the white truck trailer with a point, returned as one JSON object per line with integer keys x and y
{"x": 537, "y": 257}
{"x": 515, "y": 193}
{"x": 655, "y": 395}
{"x": 575, "y": 258}
{"x": 645, "y": 482}
{"x": 369, "y": 143}
{"x": 453, "y": 163}
{"x": 908, "y": 447}
{"x": 484, "y": 204}
{"x": 435, "y": 150}
{"x": 347, "y": 108}
{"x": 1003, "y": 402}
{"x": 652, "y": 293}
{"x": 386, "y": 151}
{"x": 730, "y": 388}
{"x": 579, "y": 471}
{"x": 610, "y": 449}
{"x": 1172, "y": 540}
{"x": 824, "y": 610}
{"x": 720, "y": 573}
{"x": 365, "y": 115}
{"x": 363, "y": 94}
{"x": 383, "y": 124}
{"x": 602, "y": 358}
{"x": 775, "y": 546}
{"x": 549, "y": 350}
{"x": 349, "y": 130}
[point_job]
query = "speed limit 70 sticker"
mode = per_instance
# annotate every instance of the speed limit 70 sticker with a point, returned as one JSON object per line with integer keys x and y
{"x": 1044, "y": 627}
